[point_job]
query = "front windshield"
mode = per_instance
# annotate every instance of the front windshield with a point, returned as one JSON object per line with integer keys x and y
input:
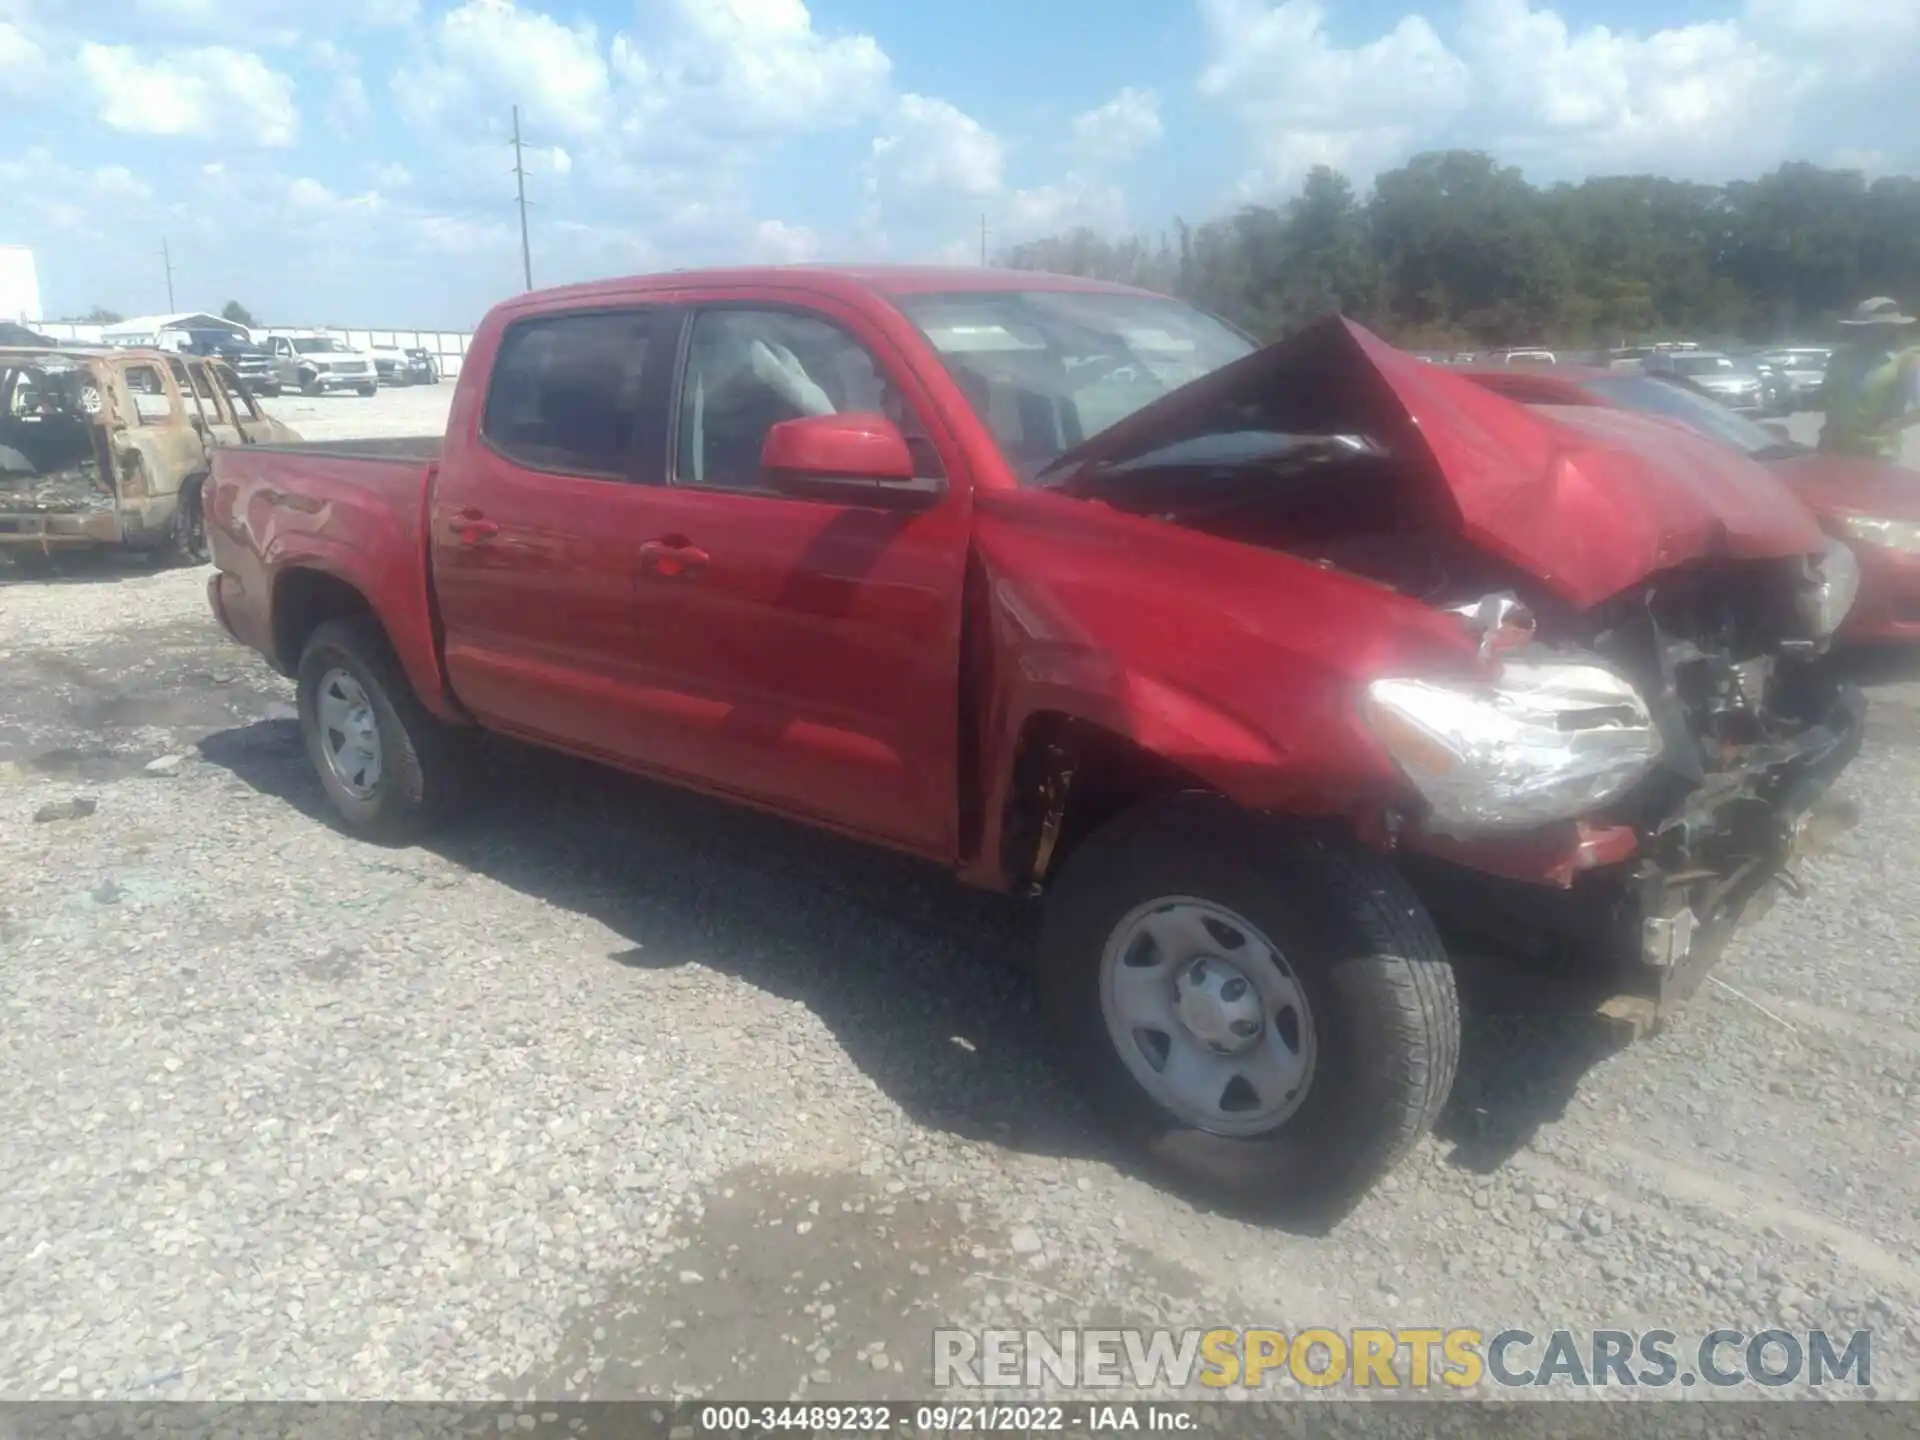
{"x": 1696, "y": 412}
{"x": 324, "y": 345}
{"x": 1048, "y": 369}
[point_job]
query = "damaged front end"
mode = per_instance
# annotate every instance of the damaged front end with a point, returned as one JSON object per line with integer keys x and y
{"x": 56, "y": 467}
{"x": 1720, "y": 743}
{"x": 1649, "y": 733}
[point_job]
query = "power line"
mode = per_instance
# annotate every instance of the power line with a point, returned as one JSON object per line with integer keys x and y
{"x": 983, "y": 239}
{"x": 520, "y": 184}
{"x": 166, "y": 259}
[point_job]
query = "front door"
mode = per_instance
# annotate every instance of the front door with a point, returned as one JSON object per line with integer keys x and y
{"x": 801, "y": 652}
{"x": 286, "y": 364}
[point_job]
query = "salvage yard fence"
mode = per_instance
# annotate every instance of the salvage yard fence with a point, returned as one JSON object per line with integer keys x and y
{"x": 448, "y": 347}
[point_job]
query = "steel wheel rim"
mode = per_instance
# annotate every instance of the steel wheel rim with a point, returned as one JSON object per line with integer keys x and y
{"x": 349, "y": 733}
{"x": 1225, "y": 1058}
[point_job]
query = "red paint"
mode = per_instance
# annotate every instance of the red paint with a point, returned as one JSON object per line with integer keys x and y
{"x": 1832, "y": 487}
{"x": 802, "y": 652}
{"x": 865, "y": 446}
{"x": 1586, "y": 509}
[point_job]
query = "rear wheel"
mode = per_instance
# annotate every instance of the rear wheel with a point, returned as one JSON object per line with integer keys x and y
{"x": 390, "y": 769}
{"x": 190, "y": 542}
{"x": 367, "y": 389}
{"x": 1269, "y": 1016}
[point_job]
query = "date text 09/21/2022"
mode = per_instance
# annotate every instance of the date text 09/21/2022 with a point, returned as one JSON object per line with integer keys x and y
{"x": 945, "y": 1419}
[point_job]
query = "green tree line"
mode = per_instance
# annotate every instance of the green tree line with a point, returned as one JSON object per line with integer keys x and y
{"x": 1456, "y": 250}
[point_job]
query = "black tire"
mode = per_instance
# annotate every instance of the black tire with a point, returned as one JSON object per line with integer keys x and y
{"x": 191, "y": 545}
{"x": 310, "y": 385}
{"x": 1378, "y": 983}
{"x": 423, "y": 759}
{"x": 367, "y": 389}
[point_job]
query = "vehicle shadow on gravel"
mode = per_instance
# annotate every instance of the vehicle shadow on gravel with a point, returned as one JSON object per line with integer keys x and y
{"x": 925, "y": 984}
{"x": 78, "y": 567}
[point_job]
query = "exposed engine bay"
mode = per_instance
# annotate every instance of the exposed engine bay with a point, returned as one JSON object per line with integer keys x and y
{"x": 53, "y": 445}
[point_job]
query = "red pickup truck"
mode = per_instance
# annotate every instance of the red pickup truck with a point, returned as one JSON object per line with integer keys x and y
{"x": 1267, "y": 668}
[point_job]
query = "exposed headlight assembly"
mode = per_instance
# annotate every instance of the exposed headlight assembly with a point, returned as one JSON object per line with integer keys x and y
{"x": 1894, "y": 534}
{"x": 1832, "y": 583}
{"x": 1545, "y": 741}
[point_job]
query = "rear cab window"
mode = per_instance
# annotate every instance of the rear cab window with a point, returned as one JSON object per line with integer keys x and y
{"x": 567, "y": 394}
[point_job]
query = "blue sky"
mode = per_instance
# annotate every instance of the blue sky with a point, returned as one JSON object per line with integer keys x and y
{"x": 346, "y": 162}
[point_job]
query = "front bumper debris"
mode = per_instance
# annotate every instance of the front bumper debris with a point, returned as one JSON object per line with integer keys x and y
{"x": 1641, "y": 914}
{"x": 1734, "y": 842}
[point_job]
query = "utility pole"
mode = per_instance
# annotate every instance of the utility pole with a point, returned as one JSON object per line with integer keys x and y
{"x": 983, "y": 239}
{"x": 166, "y": 259}
{"x": 520, "y": 182}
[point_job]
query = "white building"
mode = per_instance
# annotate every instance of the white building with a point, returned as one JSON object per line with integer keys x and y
{"x": 19, "y": 285}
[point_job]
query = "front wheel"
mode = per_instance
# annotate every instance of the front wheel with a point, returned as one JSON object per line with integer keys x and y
{"x": 1267, "y": 1015}
{"x": 390, "y": 769}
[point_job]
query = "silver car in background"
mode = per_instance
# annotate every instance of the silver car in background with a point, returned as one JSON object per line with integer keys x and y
{"x": 1803, "y": 368}
{"x": 1737, "y": 386}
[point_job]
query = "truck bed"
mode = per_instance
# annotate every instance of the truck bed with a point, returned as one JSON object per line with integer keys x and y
{"x": 351, "y": 510}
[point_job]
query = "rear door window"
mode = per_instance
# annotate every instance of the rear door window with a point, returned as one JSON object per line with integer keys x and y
{"x": 152, "y": 402}
{"x": 566, "y": 394}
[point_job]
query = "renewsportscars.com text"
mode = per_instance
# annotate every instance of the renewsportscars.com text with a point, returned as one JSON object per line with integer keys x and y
{"x": 1415, "y": 1359}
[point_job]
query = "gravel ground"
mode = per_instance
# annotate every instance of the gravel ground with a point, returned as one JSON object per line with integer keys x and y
{"x": 614, "y": 1091}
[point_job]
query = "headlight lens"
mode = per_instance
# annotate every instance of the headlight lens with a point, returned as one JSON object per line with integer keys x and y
{"x": 1833, "y": 582}
{"x": 1894, "y": 534}
{"x": 1546, "y": 741}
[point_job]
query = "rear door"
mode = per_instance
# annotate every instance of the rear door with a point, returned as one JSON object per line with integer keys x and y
{"x": 248, "y": 418}
{"x": 540, "y": 504}
{"x": 800, "y": 652}
{"x": 162, "y": 440}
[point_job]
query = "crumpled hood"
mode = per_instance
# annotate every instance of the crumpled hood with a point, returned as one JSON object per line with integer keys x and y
{"x": 1586, "y": 500}
{"x": 1851, "y": 485}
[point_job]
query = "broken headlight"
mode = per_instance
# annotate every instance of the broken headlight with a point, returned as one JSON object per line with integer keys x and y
{"x": 1893, "y": 534}
{"x": 1831, "y": 582}
{"x": 1545, "y": 741}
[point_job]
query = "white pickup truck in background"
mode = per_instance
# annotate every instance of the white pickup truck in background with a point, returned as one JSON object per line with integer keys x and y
{"x": 315, "y": 362}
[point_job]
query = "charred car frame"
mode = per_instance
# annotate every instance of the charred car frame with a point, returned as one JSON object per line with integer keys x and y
{"x": 111, "y": 446}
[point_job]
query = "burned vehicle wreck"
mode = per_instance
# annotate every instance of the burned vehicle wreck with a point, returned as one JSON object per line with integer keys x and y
{"x": 110, "y": 447}
{"x": 1641, "y": 734}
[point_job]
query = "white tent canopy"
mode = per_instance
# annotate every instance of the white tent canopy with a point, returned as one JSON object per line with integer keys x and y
{"x": 146, "y": 329}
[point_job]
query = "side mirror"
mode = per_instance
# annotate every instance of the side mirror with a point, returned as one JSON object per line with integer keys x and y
{"x": 859, "y": 459}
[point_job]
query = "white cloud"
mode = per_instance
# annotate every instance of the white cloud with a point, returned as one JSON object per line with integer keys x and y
{"x": 1690, "y": 97}
{"x": 1079, "y": 200}
{"x": 1115, "y": 132}
{"x": 208, "y": 92}
{"x": 929, "y": 144}
{"x": 488, "y": 55}
{"x": 1306, "y": 101}
{"x": 765, "y": 67}
{"x": 777, "y": 243}
{"x": 1714, "y": 99}
{"x": 21, "y": 59}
